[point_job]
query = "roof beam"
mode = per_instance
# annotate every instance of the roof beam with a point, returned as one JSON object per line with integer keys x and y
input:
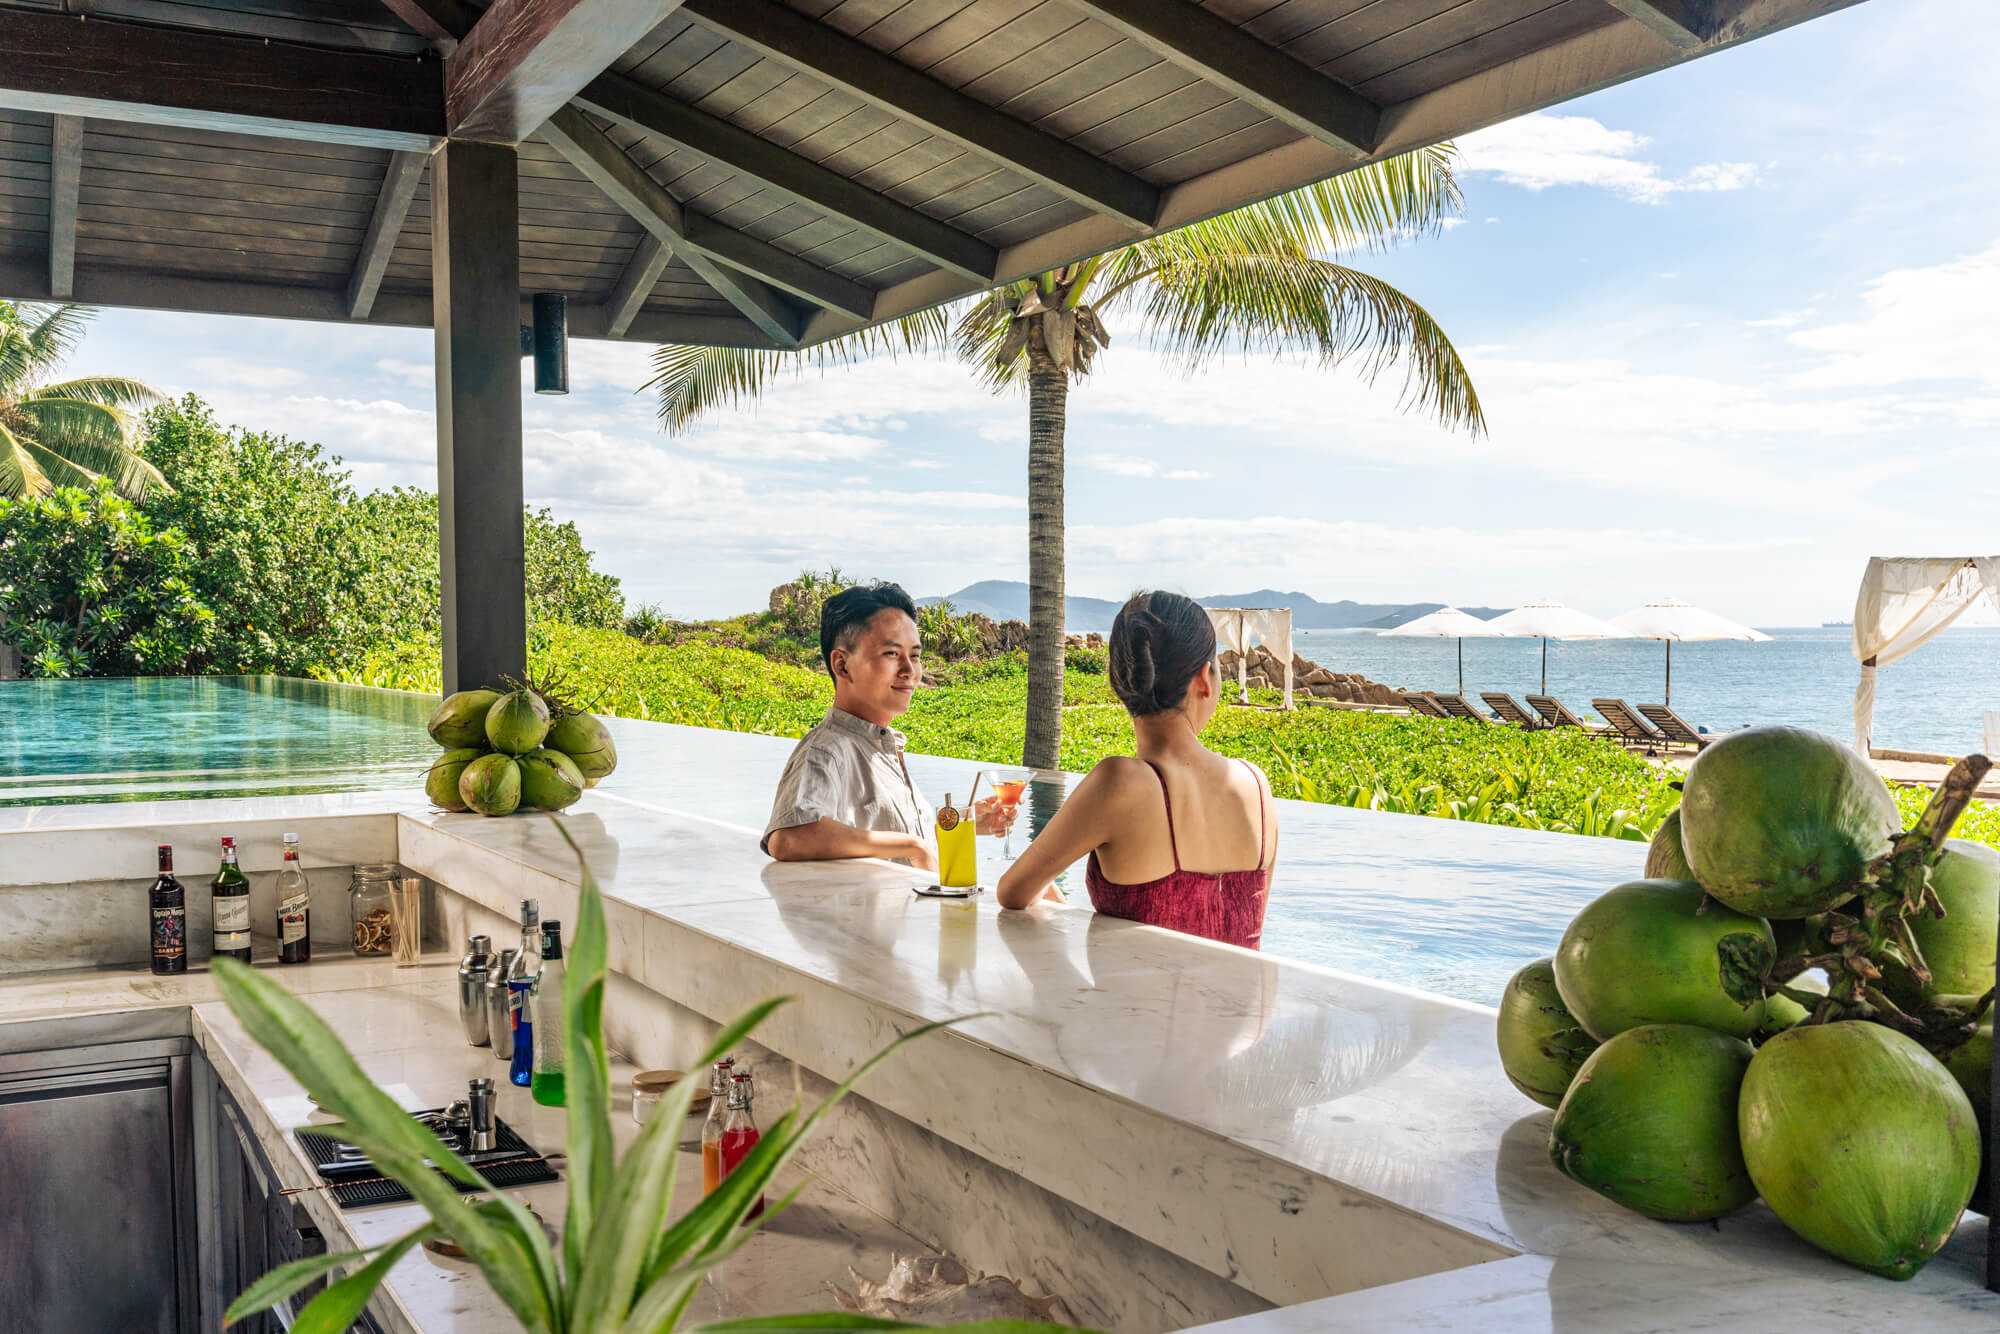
{"x": 594, "y": 153}
{"x": 641, "y": 276}
{"x": 1252, "y": 71}
{"x": 65, "y": 182}
{"x": 392, "y": 206}
{"x": 657, "y": 116}
{"x": 440, "y": 22}
{"x": 524, "y": 59}
{"x": 1685, "y": 23}
{"x": 65, "y": 65}
{"x": 881, "y": 80}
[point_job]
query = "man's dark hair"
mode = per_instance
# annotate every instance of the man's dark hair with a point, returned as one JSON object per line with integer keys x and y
{"x": 844, "y": 617}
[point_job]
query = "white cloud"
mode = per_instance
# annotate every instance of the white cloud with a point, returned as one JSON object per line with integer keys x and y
{"x": 923, "y": 464}
{"x": 1918, "y": 324}
{"x": 1131, "y": 465}
{"x": 419, "y": 373}
{"x": 1542, "y": 150}
{"x": 1784, "y": 319}
{"x": 247, "y": 374}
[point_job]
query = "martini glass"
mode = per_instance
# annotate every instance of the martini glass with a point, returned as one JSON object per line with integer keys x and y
{"x": 1008, "y": 785}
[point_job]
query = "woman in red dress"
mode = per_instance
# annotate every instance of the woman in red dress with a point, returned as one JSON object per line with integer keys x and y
{"x": 1177, "y": 835}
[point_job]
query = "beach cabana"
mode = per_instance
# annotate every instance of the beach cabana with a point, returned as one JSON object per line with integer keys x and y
{"x": 1904, "y": 603}
{"x": 1671, "y": 619}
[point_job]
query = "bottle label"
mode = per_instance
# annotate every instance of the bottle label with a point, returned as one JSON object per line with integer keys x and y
{"x": 292, "y": 919}
{"x": 169, "y": 933}
{"x": 232, "y": 913}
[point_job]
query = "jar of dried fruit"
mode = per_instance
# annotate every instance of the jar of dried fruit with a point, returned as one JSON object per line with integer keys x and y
{"x": 368, "y": 904}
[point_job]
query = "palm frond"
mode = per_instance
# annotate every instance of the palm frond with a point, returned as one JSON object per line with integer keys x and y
{"x": 20, "y": 474}
{"x": 92, "y": 437}
{"x": 1201, "y": 306}
{"x": 981, "y": 338}
{"x": 110, "y": 391}
{"x": 49, "y": 334}
{"x": 689, "y": 381}
{"x": 59, "y": 470}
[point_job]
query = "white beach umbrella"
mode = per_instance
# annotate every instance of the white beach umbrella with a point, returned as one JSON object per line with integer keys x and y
{"x": 1448, "y": 623}
{"x": 1671, "y": 619}
{"x": 1552, "y": 620}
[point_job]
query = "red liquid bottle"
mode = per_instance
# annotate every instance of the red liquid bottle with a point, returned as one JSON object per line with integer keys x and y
{"x": 711, "y": 1128}
{"x": 740, "y": 1133}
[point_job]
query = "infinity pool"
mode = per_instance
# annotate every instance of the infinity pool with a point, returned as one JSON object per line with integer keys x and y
{"x": 1432, "y": 904}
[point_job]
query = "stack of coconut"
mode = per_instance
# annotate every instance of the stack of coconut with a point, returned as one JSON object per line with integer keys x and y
{"x": 521, "y": 749}
{"x": 1266, "y": 671}
{"x": 1797, "y": 1005}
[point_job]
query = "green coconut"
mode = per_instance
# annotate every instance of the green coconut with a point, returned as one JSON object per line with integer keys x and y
{"x": 1650, "y": 1123}
{"x": 441, "y": 779}
{"x": 491, "y": 785}
{"x": 1643, "y": 954}
{"x": 461, "y": 720}
{"x": 517, "y": 722}
{"x": 1781, "y": 822}
{"x": 549, "y": 780}
{"x": 1861, "y": 1141}
{"x": 1971, "y": 1064}
{"x": 1541, "y": 1044}
{"x": 1666, "y": 859}
{"x": 1958, "y": 947}
{"x": 586, "y": 740}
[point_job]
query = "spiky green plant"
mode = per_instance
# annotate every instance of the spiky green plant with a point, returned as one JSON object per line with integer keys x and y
{"x": 65, "y": 432}
{"x": 1257, "y": 278}
{"x": 624, "y": 1267}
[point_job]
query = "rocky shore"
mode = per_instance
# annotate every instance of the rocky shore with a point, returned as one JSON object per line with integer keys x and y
{"x": 1267, "y": 672}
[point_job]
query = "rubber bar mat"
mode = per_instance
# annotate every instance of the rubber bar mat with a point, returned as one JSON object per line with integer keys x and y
{"x": 354, "y": 1182}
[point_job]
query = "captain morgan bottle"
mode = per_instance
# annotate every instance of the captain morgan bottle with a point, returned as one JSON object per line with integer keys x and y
{"x": 229, "y": 894}
{"x": 167, "y": 901}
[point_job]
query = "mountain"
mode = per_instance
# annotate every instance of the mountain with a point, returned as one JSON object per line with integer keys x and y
{"x": 1007, "y": 600}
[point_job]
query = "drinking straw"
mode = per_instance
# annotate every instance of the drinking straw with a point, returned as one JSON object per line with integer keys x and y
{"x": 972, "y": 797}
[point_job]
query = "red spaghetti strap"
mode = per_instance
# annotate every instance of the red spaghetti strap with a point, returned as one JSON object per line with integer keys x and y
{"x": 1172, "y": 842}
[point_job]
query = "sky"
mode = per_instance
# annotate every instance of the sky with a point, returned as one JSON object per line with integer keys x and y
{"x": 1730, "y": 325}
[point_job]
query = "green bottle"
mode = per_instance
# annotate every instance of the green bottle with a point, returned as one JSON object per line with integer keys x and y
{"x": 230, "y": 899}
{"x": 546, "y": 1086}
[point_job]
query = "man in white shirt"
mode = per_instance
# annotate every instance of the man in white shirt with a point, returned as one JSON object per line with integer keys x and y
{"x": 846, "y": 792}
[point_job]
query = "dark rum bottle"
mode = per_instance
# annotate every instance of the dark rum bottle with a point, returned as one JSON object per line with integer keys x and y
{"x": 168, "y": 903}
{"x": 294, "y": 910}
{"x": 229, "y": 894}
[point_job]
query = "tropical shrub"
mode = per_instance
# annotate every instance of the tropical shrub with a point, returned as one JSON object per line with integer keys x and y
{"x": 88, "y": 587}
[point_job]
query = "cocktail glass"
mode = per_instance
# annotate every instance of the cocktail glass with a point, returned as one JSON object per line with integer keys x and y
{"x": 1008, "y": 786}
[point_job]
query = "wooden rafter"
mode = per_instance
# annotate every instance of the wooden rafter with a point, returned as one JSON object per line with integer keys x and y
{"x": 65, "y": 184}
{"x": 392, "y": 206}
{"x": 1685, "y": 23}
{"x": 60, "y": 64}
{"x": 524, "y": 60}
{"x": 1228, "y": 57}
{"x": 832, "y": 57}
{"x": 635, "y": 284}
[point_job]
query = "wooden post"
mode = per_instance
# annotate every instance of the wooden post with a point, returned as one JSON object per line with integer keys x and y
{"x": 476, "y": 305}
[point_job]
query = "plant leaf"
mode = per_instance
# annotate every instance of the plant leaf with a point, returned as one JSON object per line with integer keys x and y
{"x": 337, "y": 1308}
{"x": 659, "y": 1308}
{"x": 592, "y": 1153}
{"x": 287, "y": 1279}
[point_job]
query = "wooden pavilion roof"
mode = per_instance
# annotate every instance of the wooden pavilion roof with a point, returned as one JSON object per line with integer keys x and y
{"x": 732, "y": 171}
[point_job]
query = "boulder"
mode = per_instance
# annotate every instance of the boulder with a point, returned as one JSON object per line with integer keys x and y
{"x": 1013, "y": 635}
{"x": 783, "y": 596}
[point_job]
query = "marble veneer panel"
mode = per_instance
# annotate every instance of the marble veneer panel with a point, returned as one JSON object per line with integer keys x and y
{"x": 950, "y": 1198}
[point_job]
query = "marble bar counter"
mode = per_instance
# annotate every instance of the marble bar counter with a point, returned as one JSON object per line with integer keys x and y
{"x": 1345, "y": 1150}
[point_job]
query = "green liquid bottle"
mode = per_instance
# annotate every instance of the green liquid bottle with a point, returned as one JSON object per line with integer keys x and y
{"x": 546, "y": 1084}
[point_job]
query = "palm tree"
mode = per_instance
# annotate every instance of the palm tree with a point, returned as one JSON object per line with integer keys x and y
{"x": 66, "y": 432}
{"x": 1257, "y": 278}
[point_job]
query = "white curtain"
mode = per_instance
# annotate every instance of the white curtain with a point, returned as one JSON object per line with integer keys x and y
{"x": 1236, "y": 628}
{"x": 1905, "y": 601}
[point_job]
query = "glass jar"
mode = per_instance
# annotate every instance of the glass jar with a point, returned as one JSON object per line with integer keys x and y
{"x": 368, "y": 896}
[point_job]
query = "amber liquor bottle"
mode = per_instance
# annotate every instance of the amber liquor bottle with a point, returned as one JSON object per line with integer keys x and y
{"x": 168, "y": 903}
{"x": 294, "y": 910}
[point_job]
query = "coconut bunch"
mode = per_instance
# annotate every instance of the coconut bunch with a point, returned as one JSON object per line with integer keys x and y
{"x": 519, "y": 748}
{"x": 1795, "y": 1004}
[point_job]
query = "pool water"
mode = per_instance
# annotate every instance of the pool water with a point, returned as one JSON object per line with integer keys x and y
{"x": 1437, "y": 905}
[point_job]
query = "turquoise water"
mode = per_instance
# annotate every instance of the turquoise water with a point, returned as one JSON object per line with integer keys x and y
{"x": 1931, "y": 700}
{"x": 149, "y": 739}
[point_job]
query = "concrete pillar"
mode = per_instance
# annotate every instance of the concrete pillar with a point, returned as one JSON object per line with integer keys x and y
{"x": 476, "y": 308}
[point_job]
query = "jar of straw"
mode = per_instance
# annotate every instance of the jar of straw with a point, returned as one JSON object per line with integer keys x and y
{"x": 406, "y": 921}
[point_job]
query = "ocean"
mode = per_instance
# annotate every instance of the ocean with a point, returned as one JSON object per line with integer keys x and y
{"x": 1929, "y": 701}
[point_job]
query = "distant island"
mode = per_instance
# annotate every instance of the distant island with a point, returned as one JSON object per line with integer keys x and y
{"x": 1007, "y": 600}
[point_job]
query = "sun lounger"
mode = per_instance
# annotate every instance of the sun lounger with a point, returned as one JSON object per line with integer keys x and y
{"x": 1630, "y": 727}
{"x": 1425, "y": 705}
{"x": 1557, "y": 714}
{"x": 1674, "y": 727}
{"x": 1506, "y": 710}
{"x": 1457, "y": 707}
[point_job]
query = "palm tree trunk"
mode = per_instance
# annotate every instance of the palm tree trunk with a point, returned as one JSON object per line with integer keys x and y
{"x": 1048, "y": 397}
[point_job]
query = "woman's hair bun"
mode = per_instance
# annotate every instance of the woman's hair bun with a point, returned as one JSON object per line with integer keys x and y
{"x": 1159, "y": 642}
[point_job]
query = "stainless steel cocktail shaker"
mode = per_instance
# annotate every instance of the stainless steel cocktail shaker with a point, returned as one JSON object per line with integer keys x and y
{"x": 498, "y": 1029}
{"x": 473, "y": 971}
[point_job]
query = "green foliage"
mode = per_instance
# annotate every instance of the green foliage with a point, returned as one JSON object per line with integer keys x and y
{"x": 89, "y": 587}
{"x": 269, "y": 538}
{"x": 68, "y": 433}
{"x": 623, "y": 1264}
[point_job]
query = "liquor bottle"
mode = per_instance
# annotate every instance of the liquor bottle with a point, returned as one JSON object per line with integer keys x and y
{"x": 521, "y": 1015}
{"x": 294, "y": 907}
{"x": 525, "y": 966}
{"x": 740, "y": 1133}
{"x": 229, "y": 893}
{"x": 547, "y": 1085}
{"x": 711, "y": 1129}
{"x": 168, "y": 903}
